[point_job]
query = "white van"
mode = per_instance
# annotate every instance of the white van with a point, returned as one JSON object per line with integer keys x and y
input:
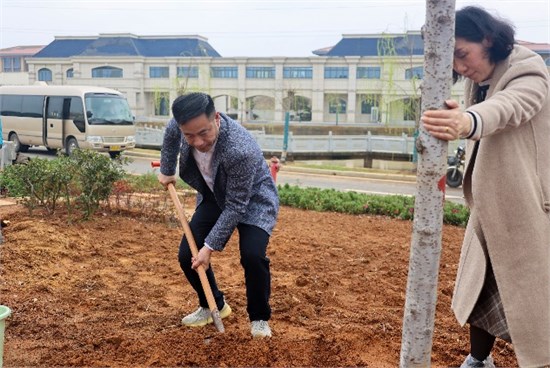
{"x": 67, "y": 118}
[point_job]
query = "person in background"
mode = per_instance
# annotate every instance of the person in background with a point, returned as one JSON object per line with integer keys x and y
{"x": 503, "y": 282}
{"x": 274, "y": 167}
{"x": 222, "y": 161}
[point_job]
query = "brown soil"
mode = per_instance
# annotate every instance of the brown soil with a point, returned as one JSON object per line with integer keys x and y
{"x": 109, "y": 292}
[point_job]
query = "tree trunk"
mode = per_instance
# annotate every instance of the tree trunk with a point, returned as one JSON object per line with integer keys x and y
{"x": 421, "y": 297}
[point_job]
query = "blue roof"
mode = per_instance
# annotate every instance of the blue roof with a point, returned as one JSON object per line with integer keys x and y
{"x": 175, "y": 47}
{"x": 64, "y": 48}
{"x": 411, "y": 44}
{"x": 128, "y": 46}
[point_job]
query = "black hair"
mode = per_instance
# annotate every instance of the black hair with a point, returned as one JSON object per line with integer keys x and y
{"x": 475, "y": 24}
{"x": 191, "y": 105}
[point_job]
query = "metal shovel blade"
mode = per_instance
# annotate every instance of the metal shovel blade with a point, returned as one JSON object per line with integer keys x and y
{"x": 217, "y": 320}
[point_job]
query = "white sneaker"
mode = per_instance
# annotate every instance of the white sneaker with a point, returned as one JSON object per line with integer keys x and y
{"x": 470, "y": 361}
{"x": 260, "y": 329}
{"x": 202, "y": 316}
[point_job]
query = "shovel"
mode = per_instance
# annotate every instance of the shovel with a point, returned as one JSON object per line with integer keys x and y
{"x": 194, "y": 251}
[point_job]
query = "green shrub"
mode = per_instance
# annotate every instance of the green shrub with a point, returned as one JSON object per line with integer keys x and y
{"x": 397, "y": 206}
{"x": 85, "y": 178}
{"x": 94, "y": 177}
{"x": 39, "y": 182}
{"x": 455, "y": 214}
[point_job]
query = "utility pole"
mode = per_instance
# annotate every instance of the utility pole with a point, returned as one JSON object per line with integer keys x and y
{"x": 421, "y": 297}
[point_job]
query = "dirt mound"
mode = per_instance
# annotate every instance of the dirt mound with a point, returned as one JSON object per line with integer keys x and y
{"x": 109, "y": 292}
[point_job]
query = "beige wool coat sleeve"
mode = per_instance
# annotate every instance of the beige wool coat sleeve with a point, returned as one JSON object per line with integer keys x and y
{"x": 507, "y": 187}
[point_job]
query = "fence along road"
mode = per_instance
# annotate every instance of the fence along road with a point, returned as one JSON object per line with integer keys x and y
{"x": 315, "y": 146}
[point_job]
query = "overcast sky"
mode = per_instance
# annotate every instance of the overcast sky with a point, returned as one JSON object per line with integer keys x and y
{"x": 243, "y": 27}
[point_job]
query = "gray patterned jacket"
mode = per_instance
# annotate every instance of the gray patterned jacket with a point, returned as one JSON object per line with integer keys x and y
{"x": 243, "y": 186}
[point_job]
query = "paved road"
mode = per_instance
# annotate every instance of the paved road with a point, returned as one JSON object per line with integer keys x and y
{"x": 374, "y": 183}
{"x": 361, "y": 185}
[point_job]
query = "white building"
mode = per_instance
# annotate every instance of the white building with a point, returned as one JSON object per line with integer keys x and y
{"x": 362, "y": 79}
{"x": 14, "y": 69}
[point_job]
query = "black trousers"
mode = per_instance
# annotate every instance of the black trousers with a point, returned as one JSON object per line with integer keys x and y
{"x": 252, "y": 244}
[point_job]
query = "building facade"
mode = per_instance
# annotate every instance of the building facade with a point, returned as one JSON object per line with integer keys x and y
{"x": 362, "y": 79}
{"x": 14, "y": 69}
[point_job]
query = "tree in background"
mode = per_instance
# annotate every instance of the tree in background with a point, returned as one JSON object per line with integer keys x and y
{"x": 389, "y": 60}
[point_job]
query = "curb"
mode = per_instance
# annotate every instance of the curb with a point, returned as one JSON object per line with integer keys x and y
{"x": 154, "y": 154}
{"x": 141, "y": 153}
{"x": 352, "y": 174}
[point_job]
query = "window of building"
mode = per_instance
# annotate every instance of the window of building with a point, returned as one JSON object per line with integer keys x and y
{"x": 417, "y": 73}
{"x": 411, "y": 109}
{"x": 45, "y": 75}
{"x": 260, "y": 72}
{"x": 159, "y": 72}
{"x": 106, "y": 72}
{"x": 338, "y": 105}
{"x": 224, "y": 72}
{"x": 367, "y": 105}
{"x": 332, "y": 72}
{"x": 187, "y": 72}
{"x": 70, "y": 73}
{"x": 547, "y": 62}
{"x": 292, "y": 72}
{"x": 11, "y": 64}
{"x": 368, "y": 72}
{"x": 162, "y": 104}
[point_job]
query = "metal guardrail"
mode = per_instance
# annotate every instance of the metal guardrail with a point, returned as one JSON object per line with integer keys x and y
{"x": 151, "y": 137}
{"x": 336, "y": 143}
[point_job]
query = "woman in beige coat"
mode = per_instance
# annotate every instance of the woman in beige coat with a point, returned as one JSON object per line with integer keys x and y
{"x": 503, "y": 282}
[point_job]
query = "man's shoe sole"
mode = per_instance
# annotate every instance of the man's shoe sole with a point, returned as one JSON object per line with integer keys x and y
{"x": 259, "y": 336}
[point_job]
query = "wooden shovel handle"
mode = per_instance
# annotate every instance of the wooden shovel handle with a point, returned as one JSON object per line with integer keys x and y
{"x": 194, "y": 251}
